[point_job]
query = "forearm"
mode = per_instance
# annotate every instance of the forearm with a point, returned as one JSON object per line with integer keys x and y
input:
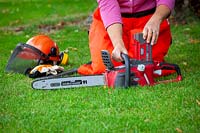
{"x": 115, "y": 34}
{"x": 161, "y": 13}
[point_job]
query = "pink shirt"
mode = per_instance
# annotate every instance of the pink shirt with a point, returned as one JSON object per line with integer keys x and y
{"x": 111, "y": 9}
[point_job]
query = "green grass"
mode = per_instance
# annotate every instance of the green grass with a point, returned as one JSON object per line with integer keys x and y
{"x": 172, "y": 107}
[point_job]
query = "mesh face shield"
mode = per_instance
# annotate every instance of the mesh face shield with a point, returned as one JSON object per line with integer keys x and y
{"x": 24, "y": 58}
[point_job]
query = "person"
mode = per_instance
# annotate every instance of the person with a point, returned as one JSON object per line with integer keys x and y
{"x": 114, "y": 20}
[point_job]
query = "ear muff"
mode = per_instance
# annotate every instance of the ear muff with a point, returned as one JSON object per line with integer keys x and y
{"x": 64, "y": 58}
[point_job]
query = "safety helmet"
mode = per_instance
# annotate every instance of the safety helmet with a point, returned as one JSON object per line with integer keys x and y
{"x": 47, "y": 46}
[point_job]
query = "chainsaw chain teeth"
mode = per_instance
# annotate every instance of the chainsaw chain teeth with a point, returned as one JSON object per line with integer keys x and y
{"x": 107, "y": 60}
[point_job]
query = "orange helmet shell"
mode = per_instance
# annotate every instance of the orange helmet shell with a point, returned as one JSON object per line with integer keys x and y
{"x": 45, "y": 44}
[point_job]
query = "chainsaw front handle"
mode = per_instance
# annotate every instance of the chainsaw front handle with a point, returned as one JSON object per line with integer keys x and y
{"x": 128, "y": 70}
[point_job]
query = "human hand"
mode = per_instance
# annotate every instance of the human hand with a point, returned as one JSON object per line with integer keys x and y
{"x": 151, "y": 30}
{"x": 117, "y": 51}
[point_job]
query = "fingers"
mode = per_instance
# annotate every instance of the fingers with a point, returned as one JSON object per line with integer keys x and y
{"x": 150, "y": 35}
{"x": 116, "y": 54}
{"x": 154, "y": 37}
{"x": 145, "y": 33}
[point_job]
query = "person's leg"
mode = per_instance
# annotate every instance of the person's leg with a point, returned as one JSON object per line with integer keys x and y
{"x": 98, "y": 40}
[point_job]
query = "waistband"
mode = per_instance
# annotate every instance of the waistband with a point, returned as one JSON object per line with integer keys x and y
{"x": 139, "y": 14}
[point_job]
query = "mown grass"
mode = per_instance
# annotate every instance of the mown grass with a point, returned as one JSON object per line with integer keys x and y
{"x": 173, "y": 107}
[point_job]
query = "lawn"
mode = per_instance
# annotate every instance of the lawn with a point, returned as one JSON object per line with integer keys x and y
{"x": 173, "y": 107}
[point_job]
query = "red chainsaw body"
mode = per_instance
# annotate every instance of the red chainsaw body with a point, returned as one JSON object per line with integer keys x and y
{"x": 142, "y": 67}
{"x": 143, "y": 77}
{"x": 116, "y": 78}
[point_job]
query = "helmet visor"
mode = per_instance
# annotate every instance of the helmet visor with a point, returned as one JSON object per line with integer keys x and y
{"x": 24, "y": 58}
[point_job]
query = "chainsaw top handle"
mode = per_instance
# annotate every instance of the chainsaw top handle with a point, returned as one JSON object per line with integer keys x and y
{"x": 128, "y": 70}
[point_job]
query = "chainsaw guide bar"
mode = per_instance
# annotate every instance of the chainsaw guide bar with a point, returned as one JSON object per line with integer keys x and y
{"x": 68, "y": 82}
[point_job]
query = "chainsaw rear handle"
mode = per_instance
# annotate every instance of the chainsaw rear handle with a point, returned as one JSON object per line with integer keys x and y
{"x": 127, "y": 69}
{"x": 169, "y": 66}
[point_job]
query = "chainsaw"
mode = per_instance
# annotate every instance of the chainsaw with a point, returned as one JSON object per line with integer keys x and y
{"x": 139, "y": 70}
